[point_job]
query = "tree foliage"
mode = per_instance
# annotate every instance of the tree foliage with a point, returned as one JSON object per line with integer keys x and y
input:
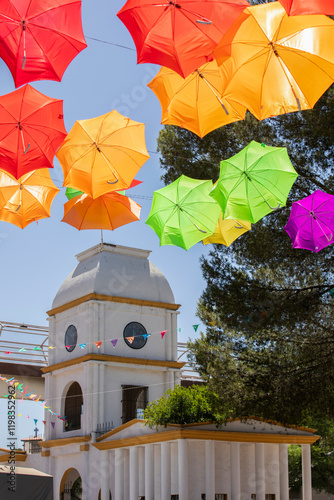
{"x": 184, "y": 405}
{"x": 270, "y": 352}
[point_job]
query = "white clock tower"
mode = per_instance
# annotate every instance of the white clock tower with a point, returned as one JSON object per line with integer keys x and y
{"x": 107, "y": 358}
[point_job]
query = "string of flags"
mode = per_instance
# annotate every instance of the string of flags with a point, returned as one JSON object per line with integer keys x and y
{"x": 97, "y": 343}
{"x": 33, "y": 397}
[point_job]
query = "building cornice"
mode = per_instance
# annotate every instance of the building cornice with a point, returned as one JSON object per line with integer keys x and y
{"x": 112, "y": 298}
{"x": 64, "y": 441}
{"x": 240, "y": 437}
{"x": 113, "y": 359}
{"x": 120, "y": 428}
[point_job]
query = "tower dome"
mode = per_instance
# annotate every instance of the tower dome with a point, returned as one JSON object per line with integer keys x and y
{"x": 118, "y": 271}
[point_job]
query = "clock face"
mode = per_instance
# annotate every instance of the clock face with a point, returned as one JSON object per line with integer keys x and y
{"x": 71, "y": 337}
{"x": 135, "y": 330}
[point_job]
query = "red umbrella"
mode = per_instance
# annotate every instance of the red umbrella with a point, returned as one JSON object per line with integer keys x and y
{"x": 39, "y": 39}
{"x": 179, "y": 35}
{"x": 300, "y": 7}
{"x": 31, "y": 130}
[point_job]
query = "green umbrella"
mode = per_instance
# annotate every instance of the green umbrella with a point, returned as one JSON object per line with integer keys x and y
{"x": 183, "y": 213}
{"x": 254, "y": 182}
{"x": 72, "y": 192}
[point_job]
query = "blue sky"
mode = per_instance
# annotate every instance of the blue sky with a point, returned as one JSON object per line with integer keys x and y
{"x": 36, "y": 260}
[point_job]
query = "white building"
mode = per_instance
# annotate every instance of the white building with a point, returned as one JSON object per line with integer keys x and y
{"x": 116, "y": 294}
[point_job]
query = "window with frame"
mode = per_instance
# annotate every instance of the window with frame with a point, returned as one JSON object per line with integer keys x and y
{"x": 174, "y": 497}
{"x": 73, "y": 407}
{"x": 218, "y": 496}
{"x": 268, "y": 496}
{"x": 134, "y": 402}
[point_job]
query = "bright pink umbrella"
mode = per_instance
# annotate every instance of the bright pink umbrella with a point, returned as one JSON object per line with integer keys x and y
{"x": 300, "y": 7}
{"x": 311, "y": 222}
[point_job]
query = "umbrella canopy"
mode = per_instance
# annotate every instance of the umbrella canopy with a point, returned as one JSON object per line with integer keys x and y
{"x": 196, "y": 103}
{"x": 183, "y": 213}
{"x": 31, "y": 130}
{"x": 227, "y": 231}
{"x": 254, "y": 182}
{"x": 39, "y": 39}
{"x": 179, "y": 35}
{"x": 311, "y": 222}
{"x": 72, "y": 192}
{"x": 26, "y": 199}
{"x": 108, "y": 211}
{"x": 300, "y": 7}
{"x": 103, "y": 154}
{"x": 282, "y": 63}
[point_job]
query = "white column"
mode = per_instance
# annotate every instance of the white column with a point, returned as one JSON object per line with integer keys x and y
{"x": 183, "y": 469}
{"x": 306, "y": 472}
{"x": 173, "y": 334}
{"x": 235, "y": 471}
{"x": 149, "y": 472}
{"x": 168, "y": 337}
{"x": 95, "y": 408}
{"x": 260, "y": 485}
{"x": 85, "y": 476}
{"x": 101, "y": 389}
{"x": 210, "y": 470}
{"x": 165, "y": 471}
{"x": 283, "y": 472}
{"x": 105, "y": 474}
{"x": 133, "y": 473}
{"x": 48, "y": 430}
{"x": 119, "y": 474}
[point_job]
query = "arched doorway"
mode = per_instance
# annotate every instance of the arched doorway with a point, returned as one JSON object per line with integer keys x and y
{"x": 73, "y": 407}
{"x": 70, "y": 485}
{"x": 99, "y": 497}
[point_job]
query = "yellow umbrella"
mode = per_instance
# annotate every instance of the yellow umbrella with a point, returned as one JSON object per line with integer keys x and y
{"x": 103, "y": 154}
{"x": 283, "y": 63}
{"x": 196, "y": 103}
{"x": 227, "y": 231}
{"x": 108, "y": 211}
{"x": 28, "y": 198}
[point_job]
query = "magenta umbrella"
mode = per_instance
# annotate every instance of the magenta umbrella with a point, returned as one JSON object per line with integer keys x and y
{"x": 311, "y": 222}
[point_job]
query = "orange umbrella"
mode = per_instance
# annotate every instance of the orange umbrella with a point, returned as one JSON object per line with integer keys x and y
{"x": 108, "y": 211}
{"x": 103, "y": 154}
{"x": 301, "y": 7}
{"x": 227, "y": 231}
{"x": 282, "y": 63}
{"x": 196, "y": 103}
{"x": 28, "y": 198}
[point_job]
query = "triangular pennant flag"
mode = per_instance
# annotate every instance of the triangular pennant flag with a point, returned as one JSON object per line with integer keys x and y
{"x": 50, "y": 347}
{"x": 195, "y": 327}
{"x": 37, "y": 348}
{"x": 145, "y": 335}
{"x": 28, "y": 416}
{"x": 32, "y": 396}
{"x": 44, "y": 422}
{"x": 53, "y": 424}
{"x": 179, "y": 329}
{"x": 130, "y": 339}
{"x": 114, "y": 342}
{"x": 20, "y": 414}
{"x": 213, "y": 323}
{"x": 9, "y": 379}
{"x": 19, "y": 387}
{"x": 82, "y": 346}
{"x": 25, "y": 389}
{"x": 7, "y": 352}
{"x": 163, "y": 333}
{"x": 38, "y": 398}
{"x": 22, "y": 350}
{"x": 98, "y": 344}
{"x": 16, "y": 384}
{"x": 68, "y": 346}
{"x": 35, "y": 420}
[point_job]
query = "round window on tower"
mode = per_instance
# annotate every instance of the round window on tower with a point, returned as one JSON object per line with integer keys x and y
{"x": 135, "y": 335}
{"x": 71, "y": 337}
